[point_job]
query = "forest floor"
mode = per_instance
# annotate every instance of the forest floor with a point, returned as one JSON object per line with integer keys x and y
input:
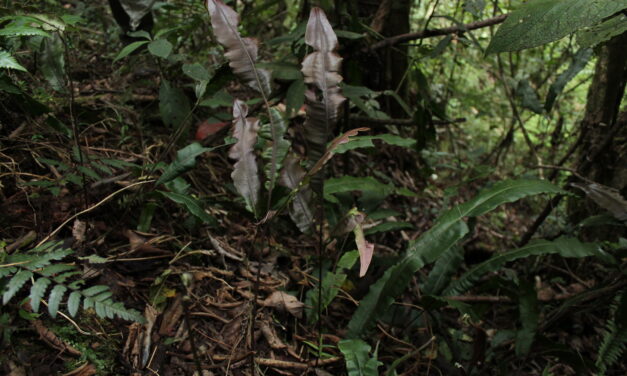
{"x": 226, "y": 284}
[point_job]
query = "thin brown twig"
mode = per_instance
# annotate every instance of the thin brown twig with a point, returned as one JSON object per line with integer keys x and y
{"x": 428, "y": 33}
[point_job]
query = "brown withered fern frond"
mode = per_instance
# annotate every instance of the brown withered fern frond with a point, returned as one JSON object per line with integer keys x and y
{"x": 241, "y": 52}
{"x": 245, "y": 172}
{"x": 320, "y": 69}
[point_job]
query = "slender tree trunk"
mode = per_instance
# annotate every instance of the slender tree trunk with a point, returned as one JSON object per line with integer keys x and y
{"x": 603, "y": 153}
{"x": 385, "y": 69}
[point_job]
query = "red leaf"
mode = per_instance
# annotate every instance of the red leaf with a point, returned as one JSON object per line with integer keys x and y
{"x": 205, "y": 129}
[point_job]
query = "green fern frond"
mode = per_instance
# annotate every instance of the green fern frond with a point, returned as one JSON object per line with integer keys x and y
{"x": 22, "y": 31}
{"x": 15, "y": 284}
{"x": 37, "y": 292}
{"x": 615, "y": 335}
{"x": 39, "y": 264}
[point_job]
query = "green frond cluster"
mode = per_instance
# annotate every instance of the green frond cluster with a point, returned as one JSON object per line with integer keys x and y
{"x": 615, "y": 335}
{"x": 41, "y": 267}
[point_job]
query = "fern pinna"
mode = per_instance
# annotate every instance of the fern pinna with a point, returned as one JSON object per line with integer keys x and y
{"x": 41, "y": 267}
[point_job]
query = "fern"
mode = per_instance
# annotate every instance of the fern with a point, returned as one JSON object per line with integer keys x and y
{"x": 446, "y": 232}
{"x": 615, "y": 336}
{"x": 38, "y": 265}
{"x": 565, "y": 247}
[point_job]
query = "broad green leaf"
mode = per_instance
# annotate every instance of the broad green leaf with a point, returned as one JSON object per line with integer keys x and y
{"x": 130, "y": 49}
{"x": 529, "y": 315}
{"x": 196, "y": 72}
{"x": 56, "y": 295}
{"x": 351, "y": 183}
{"x": 358, "y": 360}
{"x": 388, "y": 226}
{"x": 185, "y": 161}
{"x": 192, "y": 205}
{"x": 7, "y": 61}
{"x": 15, "y": 284}
{"x": 590, "y": 37}
{"x": 295, "y": 96}
{"x": 565, "y": 247}
{"x": 446, "y": 232}
{"x": 366, "y": 141}
{"x": 528, "y": 96}
{"x": 52, "y": 62}
{"x": 538, "y": 22}
{"x": 579, "y": 62}
{"x": 160, "y": 48}
{"x": 173, "y": 105}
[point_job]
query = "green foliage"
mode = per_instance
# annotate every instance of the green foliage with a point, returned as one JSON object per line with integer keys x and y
{"x": 331, "y": 284}
{"x": 173, "y": 105}
{"x": 445, "y": 233}
{"x": 529, "y": 315}
{"x": 579, "y": 62}
{"x": 565, "y": 247}
{"x": 39, "y": 266}
{"x": 590, "y": 37}
{"x": 538, "y": 22}
{"x": 7, "y": 61}
{"x": 192, "y": 205}
{"x": 615, "y": 335}
{"x": 185, "y": 160}
{"x": 358, "y": 360}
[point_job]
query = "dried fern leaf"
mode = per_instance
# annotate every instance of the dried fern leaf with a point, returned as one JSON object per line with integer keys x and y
{"x": 320, "y": 70}
{"x": 241, "y": 52}
{"x": 245, "y": 173}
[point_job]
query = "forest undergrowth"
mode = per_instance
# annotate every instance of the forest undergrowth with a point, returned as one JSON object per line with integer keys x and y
{"x": 183, "y": 201}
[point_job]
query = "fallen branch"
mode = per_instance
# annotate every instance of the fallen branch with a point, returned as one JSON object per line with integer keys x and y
{"x": 428, "y": 33}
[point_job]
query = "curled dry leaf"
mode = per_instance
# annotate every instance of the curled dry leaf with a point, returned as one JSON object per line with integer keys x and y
{"x": 339, "y": 140}
{"x": 365, "y": 249}
{"x": 241, "y": 52}
{"x": 284, "y": 302}
{"x": 245, "y": 172}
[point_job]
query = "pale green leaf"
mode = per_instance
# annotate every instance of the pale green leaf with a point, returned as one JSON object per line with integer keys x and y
{"x": 15, "y": 284}
{"x": 56, "y": 295}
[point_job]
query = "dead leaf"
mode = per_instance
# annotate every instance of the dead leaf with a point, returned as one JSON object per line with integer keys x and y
{"x": 284, "y": 302}
{"x": 78, "y": 231}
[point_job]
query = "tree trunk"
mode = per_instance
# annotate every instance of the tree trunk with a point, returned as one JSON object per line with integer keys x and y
{"x": 603, "y": 153}
{"x": 386, "y": 69}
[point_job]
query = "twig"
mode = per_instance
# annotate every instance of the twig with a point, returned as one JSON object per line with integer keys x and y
{"x": 109, "y": 197}
{"x": 363, "y": 121}
{"x": 428, "y": 33}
